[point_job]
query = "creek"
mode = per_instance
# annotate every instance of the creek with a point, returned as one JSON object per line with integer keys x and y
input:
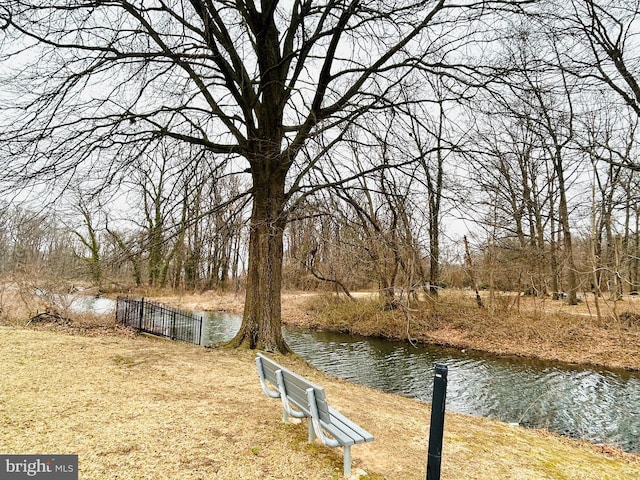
{"x": 599, "y": 405}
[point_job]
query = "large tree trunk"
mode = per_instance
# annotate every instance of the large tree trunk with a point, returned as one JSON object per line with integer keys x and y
{"x": 261, "y": 323}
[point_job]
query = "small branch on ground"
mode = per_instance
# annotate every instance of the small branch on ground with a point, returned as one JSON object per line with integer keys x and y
{"x": 50, "y": 317}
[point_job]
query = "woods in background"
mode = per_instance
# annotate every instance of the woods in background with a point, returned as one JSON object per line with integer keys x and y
{"x": 344, "y": 144}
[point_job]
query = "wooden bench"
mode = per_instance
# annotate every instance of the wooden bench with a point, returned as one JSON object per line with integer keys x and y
{"x": 303, "y": 399}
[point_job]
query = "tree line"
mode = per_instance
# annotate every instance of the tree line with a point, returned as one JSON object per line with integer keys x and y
{"x": 206, "y": 142}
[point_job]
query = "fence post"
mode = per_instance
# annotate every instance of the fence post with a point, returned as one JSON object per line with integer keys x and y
{"x": 174, "y": 334}
{"x": 436, "y": 428}
{"x": 141, "y": 314}
{"x": 200, "y": 331}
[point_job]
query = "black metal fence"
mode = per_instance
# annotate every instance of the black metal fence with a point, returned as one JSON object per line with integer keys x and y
{"x": 158, "y": 319}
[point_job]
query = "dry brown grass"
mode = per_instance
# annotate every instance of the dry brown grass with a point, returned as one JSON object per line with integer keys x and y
{"x": 18, "y": 303}
{"x": 141, "y": 408}
{"x": 208, "y": 301}
{"x": 508, "y": 325}
{"x": 21, "y": 305}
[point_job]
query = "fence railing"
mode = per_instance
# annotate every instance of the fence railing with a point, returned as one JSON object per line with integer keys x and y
{"x": 157, "y": 319}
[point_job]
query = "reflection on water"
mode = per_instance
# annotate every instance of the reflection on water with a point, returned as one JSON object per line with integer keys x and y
{"x": 597, "y": 405}
{"x": 219, "y": 327}
{"x": 86, "y": 303}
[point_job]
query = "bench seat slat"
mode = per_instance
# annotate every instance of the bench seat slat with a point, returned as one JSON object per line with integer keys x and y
{"x": 357, "y": 433}
{"x": 339, "y": 434}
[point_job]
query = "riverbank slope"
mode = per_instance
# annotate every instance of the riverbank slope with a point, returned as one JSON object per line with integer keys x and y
{"x": 507, "y": 325}
{"x": 135, "y": 407}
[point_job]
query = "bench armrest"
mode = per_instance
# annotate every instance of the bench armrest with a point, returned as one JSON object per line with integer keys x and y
{"x": 263, "y": 381}
{"x": 315, "y": 420}
{"x": 286, "y": 405}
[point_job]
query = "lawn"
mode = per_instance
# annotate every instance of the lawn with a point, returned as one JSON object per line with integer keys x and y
{"x": 134, "y": 407}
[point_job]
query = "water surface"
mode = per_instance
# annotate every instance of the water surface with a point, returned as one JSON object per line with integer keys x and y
{"x": 599, "y": 405}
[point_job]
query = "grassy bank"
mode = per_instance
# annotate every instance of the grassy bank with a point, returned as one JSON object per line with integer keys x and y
{"x": 605, "y": 334}
{"x": 140, "y": 408}
{"x": 508, "y": 325}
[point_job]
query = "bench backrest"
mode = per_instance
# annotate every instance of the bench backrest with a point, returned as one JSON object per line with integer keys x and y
{"x": 296, "y": 388}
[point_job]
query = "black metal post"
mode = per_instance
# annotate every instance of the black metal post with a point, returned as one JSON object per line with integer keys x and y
{"x": 141, "y": 314}
{"x": 436, "y": 428}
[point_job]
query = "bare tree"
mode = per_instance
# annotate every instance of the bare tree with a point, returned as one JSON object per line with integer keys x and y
{"x": 599, "y": 42}
{"x": 89, "y": 236}
{"x": 377, "y": 205}
{"x": 320, "y": 248}
{"x": 128, "y": 246}
{"x": 432, "y": 139}
{"x": 238, "y": 79}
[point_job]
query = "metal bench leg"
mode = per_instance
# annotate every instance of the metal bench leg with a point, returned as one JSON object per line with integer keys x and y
{"x": 312, "y": 435}
{"x": 347, "y": 460}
